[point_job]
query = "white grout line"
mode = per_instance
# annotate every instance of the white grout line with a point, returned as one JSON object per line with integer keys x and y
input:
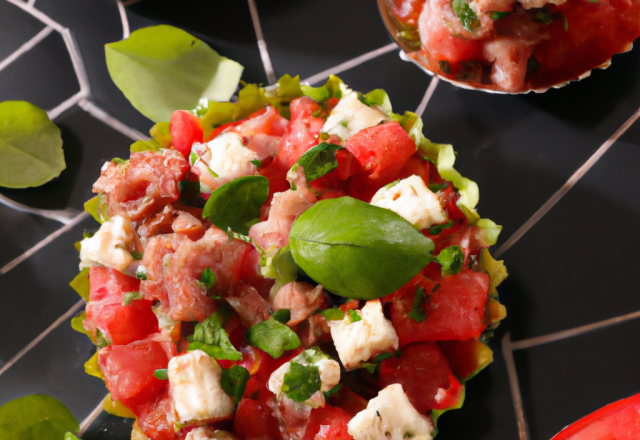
{"x": 57, "y": 111}
{"x": 76, "y": 60}
{"x": 26, "y": 47}
{"x": 13, "y": 263}
{"x": 37, "y": 14}
{"x": 262, "y": 45}
{"x": 125, "y": 21}
{"x": 350, "y": 64}
{"x": 77, "y": 306}
{"x": 427, "y": 96}
{"x": 92, "y": 416}
{"x": 507, "y": 353}
{"x": 109, "y": 120}
{"x": 564, "y": 334}
{"x": 555, "y": 198}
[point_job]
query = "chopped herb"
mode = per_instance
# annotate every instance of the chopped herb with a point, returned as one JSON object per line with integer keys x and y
{"x": 434, "y": 187}
{"x": 161, "y": 374}
{"x": 445, "y": 66}
{"x": 566, "y": 22}
{"x": 118, "y": 161}
{"x": 141, "y": 273}
{"x": 318, "y": 161}
{"x": 354, "y": 316}
{"x": 467, "y": 17}
{"x": 435, "y": 288}
{"x": 451, "y": 259}
{"x": 497, "y": 15}
{"x": 332, "y": 391}
{"x": 257, "y": 163}
{"x": 208, "y": 278}
{"x": 136, "y": 255}
{"x": 435, "y": 230}
{"x": 210, "y": 337}
{"x": 371, "y": 368}
{"x": 378, "y": 413}
{"x": 333, "y": 314}
{"x": 397, "y": 354}
{"x": 533, "y": 66}
{"x": 282, "y": 315}
{"x": 381, "y": 357}
{"x": 345, "y": 124}
{"x": 234, "y": 381}
{"x": 193, "y": 158}
{"x": 301, "y": 382}
{"x": 417, "y": 313}
{"x": 129, "y": 297}
{"x": 324, "y": 136}
{"x": 273, "y": 337}
{"x": 543, "y": 15}
{"x": 213, "y": 173}
{"x": 101, "y": 340}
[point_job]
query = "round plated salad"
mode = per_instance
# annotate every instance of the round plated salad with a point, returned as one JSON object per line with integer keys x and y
{"x": 513, "y": 46}
{"x": 300, "y": 264}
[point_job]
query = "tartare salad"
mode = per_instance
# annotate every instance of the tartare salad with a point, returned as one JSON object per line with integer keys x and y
{"x": 299, "y": 264}
{"x": 515, "y": 46}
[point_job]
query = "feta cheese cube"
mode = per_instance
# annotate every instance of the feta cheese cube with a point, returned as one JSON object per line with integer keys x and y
{"x": 412, "y": 199}
{"x": 110, "y": 246}
{"x": 350, "y": 116}
{"x": 357, "y": 341}
{"x": 390, "y": 416}
{"x": 194, "y": 378}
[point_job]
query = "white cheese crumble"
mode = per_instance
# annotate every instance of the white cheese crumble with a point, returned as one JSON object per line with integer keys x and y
{"x": 350, "y": 116}
{"x": 226, "y": 157}
{"x": 110, "y": 246}
{"x": 390, "y": 416}
{"x": 357, "y": 341}
{"x": 207, "y": 433}
{"x": 412, "y": 199}
{"x": 194, "y": 378}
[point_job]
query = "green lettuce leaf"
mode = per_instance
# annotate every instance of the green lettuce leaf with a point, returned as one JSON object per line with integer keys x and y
{"x": 36, "y": 417}
{"x": 81, "y": 284}
{"x": 273, "y": 337}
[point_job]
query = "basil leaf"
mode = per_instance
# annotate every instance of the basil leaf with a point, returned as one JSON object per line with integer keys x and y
{"x": 130, "y": 297}
{"x": 333, "y": 314}
{"x": 375, "y": 97}
{"x": 497, "y": 15}
{"x": 208, "y": 278}
{"x": 30, "y": 146}
{"x": 371, "y": 368}
{"x": 101, "y": 339}
{"x": 210, "y": 337}
{"x": 237, "y": 204}
{"x": 141, "y": 273}
{"x": 36, "y": 417}
{"x": 81, "y": 284}
{"x": 69, "y": 436}
{"x": 467, "y": 17}
{"x": 273, "y": 337}
{"x": 318, "y": 161}
{"x": 282, "y": 315}
{"x": 451, "y": 259}
{"x": 162, "y": 68}
{"x": 161, "y": 374}
{"x": 435, "y": 230}
{"x": 97, "y": 208}
{"x": 353, "y": 315}
{"x": 358, "y": 250}
{"x": 331, "y": 89}
{"x": 136, "y": 255}
{"x": 256, "y": 162}
{"x": 301, "y": 382}
{"x": 417, "y": 313}
{"x": 382, "y": 357}
{"x": 234, "y": 381}
{"x": 286, "y": 269}
{"x": 332, "y": 391}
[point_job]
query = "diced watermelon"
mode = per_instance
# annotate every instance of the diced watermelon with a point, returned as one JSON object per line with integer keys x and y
{"x": 108, "y": 283}
{"x": 185, "y": 129}
{"x": 328, "y": 423}
{"x": 155, "y": 416}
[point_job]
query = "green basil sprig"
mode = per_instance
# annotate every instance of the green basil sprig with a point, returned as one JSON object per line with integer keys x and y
{"x": 358, "y": 250}
{"x": 210, "y": 337}
{"x": 467, "y": 17}
{"x": 36, "y": 417}
{"x": 301, "y": 382}
{"x": 236, "y": 205}
{"x": 273, "y": 337}
{"x": 451, "y": 259}
{"x": 318, "y": 161}
{"x": 234, "y": 381}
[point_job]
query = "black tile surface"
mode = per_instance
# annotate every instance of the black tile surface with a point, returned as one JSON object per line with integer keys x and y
{"x": 563, "y": 381}
{"x": 18, "y": 28}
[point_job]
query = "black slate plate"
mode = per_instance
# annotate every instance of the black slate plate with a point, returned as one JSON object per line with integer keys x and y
{"x": 569, "y": 269}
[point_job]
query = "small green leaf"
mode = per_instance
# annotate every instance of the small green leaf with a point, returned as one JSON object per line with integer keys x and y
{"x": 98, "y": 208}
{"x": 371, "y": 368}
{"x": 331, "y": 89}
{"x": 161, "y": 133}
{"x": 130, "y": 297}
{"x": 237, "y": 204}
{"x": 36, "y": 417}
{"x": 77, "y": 323}
{"x": 101, "y": 339}
{"x": 376, "y": 97}
{"x": 332, "y": 391}
{"x": 210, "y": 337}
{"x": 282, "y": 267}
{"x": 161, "y": 374}
{"x": 353, "y": 315}
{"x": 301, "y": 382}
{"x": 434, "y": 187}
{"x": 69, "y": 436}
{"x": 451, "y": 259}
{"x": 282, "y": 315}
{"x": 382, "y": 357}
{"x": 234, "y": 381}
{"x": 141, "y": 273}
{"x": 318, "y": 161}
{"x": 467, "y": 17}
{"x": 30, "y": 146}
{"x": 273, "y": 337}
{"x": 334, "y": 314}
{"x": 256, "y": 162}
{"x": 136, "y": 255}
{"x": 435, "y": 230}
{"x": 81, "y": 284}
{"x": 417, "y": 313}
{"x": 208, "y": 278}
{"x": 162, "y": 68}
{"x": 358, "y": 250}
{"x": 497, "y": 15}
{"x": 141, "y": 146}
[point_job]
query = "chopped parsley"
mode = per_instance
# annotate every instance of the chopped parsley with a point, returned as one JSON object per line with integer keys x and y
{"x": 141, "y": 273}
{"x": 417, "y": 313}
{"x": 208, "y": 278}
{"x": 130, "y": 297}
{"x": 161, "y": 374}
{"x": 282, "y": 315}
{"x": 451, "y": 259}
{"x": 333, "y": 314}
{"x": 301, "y": 382}
{"x": 354, "y": 316}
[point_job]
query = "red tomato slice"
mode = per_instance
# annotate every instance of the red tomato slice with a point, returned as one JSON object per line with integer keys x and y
{"x": 617, "y": 421}
{"x": 256, "y": 419}
{"x": 153, "y": 416}
{"x": 328, "y": 423}
{"x": 110, "y": 284}
{"x": 124, "y": 324}
{"x": 185, "y": 129}
{"x": 302, "y": 133}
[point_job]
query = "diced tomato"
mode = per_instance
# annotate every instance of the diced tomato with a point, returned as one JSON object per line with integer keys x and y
{"x": 129, "y": 369}
{"x": 224, "y": 127}
{"x": 328, "y": 423}
{"x": 380, "y": 148}
{"x": 276, "y": 172}
{"x": 347, "y": 164}
{"x": 421, "y": 370}
{"x": 454, "y": 312}
{"x": 155, "y": 416}
{"x": 617, "y": 421}
{"x": 124, "y": 324}
{"x": 251, "y": 273}
{"x": 348, "y": 400}
{"x": 108, "y": 283}
{"x": 302, "y": 133}
{"x": 451, "y": 397}
{"x": 256, "y": 419}
{"x": 185, "y": 129}
{"x": 265, "y": 121}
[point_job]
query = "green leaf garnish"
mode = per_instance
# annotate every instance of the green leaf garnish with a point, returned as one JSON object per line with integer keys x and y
{"x": 353, "y": 315}
{"x": 331, "y": 89}
{"x": 208, "y": 278}
{"x": 273, "y": 337}
{"x": 70, "y": 436}
{"x": 467, "y": 17}
{"x": 136, "y": 255}
{"x": 318, "y": 161}
{"x": 162, "y": 68}
{"x": 97, "y": 208}
{"x": 282, "y": 267}
{"x": 141, "y": 146}
{"x": 333, "y": 314}
{"x": 282, "y": 315}
{"x": 101, "y": 339}
{"x": 434, "y": 187}
{"x": 371, "y": 368}
{"x": 81, "y": 284}
{"x": 237, "y": 204}
{"x": 77, "y": 323}
{"x": 382, "y": 356}
{"x": 256, "y": 162}
{"x": 497, "y": 15}
{"x": 358, "y": 250}
{"x": 417, "y": 313}
{"x": 161, "y": 374}
{"x": 129, "y": 297}
{"x": 301, "y": 382}
{"x": 141, "y": 273}
{"x": 435, "y": 230}
{"x": 451, "y": 259}
{"x": 234, "y": 381}
{"x": 36, "y": 417}
{"x": 210, "y": 337}
{"x": 30, "y": 146}
{"x": 332, "y": 391}
{"x": 376, "y": 97}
